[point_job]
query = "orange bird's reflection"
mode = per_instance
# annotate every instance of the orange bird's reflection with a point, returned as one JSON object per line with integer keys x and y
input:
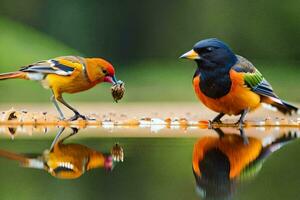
{"x": 69, "y": 161}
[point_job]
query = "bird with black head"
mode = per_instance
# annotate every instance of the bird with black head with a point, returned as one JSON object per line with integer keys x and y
{"x": 230, "y": 84}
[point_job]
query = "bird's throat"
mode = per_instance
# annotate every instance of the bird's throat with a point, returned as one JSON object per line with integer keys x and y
{"x": 214, "y": 83}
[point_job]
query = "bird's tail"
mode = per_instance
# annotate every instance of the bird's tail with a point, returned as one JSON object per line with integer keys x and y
{"x": 13, "y": 156}
{"x": 25, "y": 161}
{"x": 282, "y": 106}
{"x": 13, "y": 75}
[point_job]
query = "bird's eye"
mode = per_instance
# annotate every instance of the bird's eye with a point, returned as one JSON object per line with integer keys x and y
{"x": 209, "y": 49}
{"x": 104, "y": 71}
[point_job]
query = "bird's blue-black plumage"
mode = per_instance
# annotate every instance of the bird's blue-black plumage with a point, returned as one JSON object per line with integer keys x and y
{"x": 216, "y": 60}
{"x": 214, "y": 84}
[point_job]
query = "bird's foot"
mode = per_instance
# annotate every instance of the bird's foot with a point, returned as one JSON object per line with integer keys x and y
{"x": 243, "y": 135}
{"x": 77, "y": 116}
{"x": 214, "y": 122}
{"x": 240, "y": 124}
{"x": 74, "y": 131}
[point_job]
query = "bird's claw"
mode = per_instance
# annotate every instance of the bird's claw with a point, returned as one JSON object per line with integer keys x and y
{"x": 74, "y": 130}
{"x": 217, "y": 121}
{"x": 239, "y": 124}
{"x": 77, "y": 116}
{"x": 212, "y": 123}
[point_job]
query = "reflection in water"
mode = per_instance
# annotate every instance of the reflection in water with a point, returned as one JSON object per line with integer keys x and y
{"x": 219, "y": 164}
{"x": 69, "y": 161}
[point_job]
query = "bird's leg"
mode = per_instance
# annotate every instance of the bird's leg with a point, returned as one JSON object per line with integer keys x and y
{"x": 62, "y": 117}
{"x": 217, "y": 119}
{"x": 240, "y": 122}
{"x": 61, "y": 130}
{"x": 77, "y": 114}
{"x": 243, "y": 135}
{"x": 219, "y": 132}
{"x": 74, "y": 131}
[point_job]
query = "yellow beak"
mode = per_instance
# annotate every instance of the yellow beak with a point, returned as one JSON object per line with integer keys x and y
{"x": 192, "y": 55}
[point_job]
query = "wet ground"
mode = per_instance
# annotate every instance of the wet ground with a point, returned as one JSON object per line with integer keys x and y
{"x": 149, "y": 163}
{"x": 137, "y": 110}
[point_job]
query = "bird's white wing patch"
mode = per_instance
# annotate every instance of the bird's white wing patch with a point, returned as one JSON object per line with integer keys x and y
{"x": 35, "y": 76}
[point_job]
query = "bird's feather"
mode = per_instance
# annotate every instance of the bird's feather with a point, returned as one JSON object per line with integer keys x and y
{"x": 63, "y": 66}
{"x": 258, "y": 84}
{"x": 253, "y": 78}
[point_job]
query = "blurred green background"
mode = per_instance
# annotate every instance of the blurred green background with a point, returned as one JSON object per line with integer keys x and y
{"x": 144, "y": 39}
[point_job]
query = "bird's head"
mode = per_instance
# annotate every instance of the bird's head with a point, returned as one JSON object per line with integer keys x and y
{"x": 100, "y": 70}
{"x": 210, "y": 53}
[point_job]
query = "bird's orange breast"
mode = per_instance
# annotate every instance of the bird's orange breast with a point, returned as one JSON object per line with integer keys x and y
{"x": 235, "y": 101}
{"x": 74, "y": 83}
{"x": 238, "y": 154}
{"x": 77, "y": 158}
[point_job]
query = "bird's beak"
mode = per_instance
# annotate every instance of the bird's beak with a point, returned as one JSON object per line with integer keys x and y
{"x": 110, "y": 79}
{"x": 115, "y": 81}
{"x": 192, "y": 55}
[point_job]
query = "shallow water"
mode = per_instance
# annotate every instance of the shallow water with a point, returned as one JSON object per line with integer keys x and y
{"x": 158, "y": 164}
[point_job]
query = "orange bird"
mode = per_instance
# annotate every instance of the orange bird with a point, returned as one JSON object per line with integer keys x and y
{"x": 66, "y": 74}
{"x": 230, "y": 84}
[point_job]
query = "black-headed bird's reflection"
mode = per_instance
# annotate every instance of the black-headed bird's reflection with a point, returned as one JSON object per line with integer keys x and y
{"x": 220, "y": 163}
{"x": 69, "y": 160}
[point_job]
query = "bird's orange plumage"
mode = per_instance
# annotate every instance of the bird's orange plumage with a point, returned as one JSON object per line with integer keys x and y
{"x": 239, "y": 97}
{"x": 81, "y": 158}
{"x": 66, "y": 74}
{"x": 238, "y": 154}
{"x": 78, "y": 81}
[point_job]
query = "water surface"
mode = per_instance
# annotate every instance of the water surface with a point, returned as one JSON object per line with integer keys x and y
{"x": 158, "y": 164}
